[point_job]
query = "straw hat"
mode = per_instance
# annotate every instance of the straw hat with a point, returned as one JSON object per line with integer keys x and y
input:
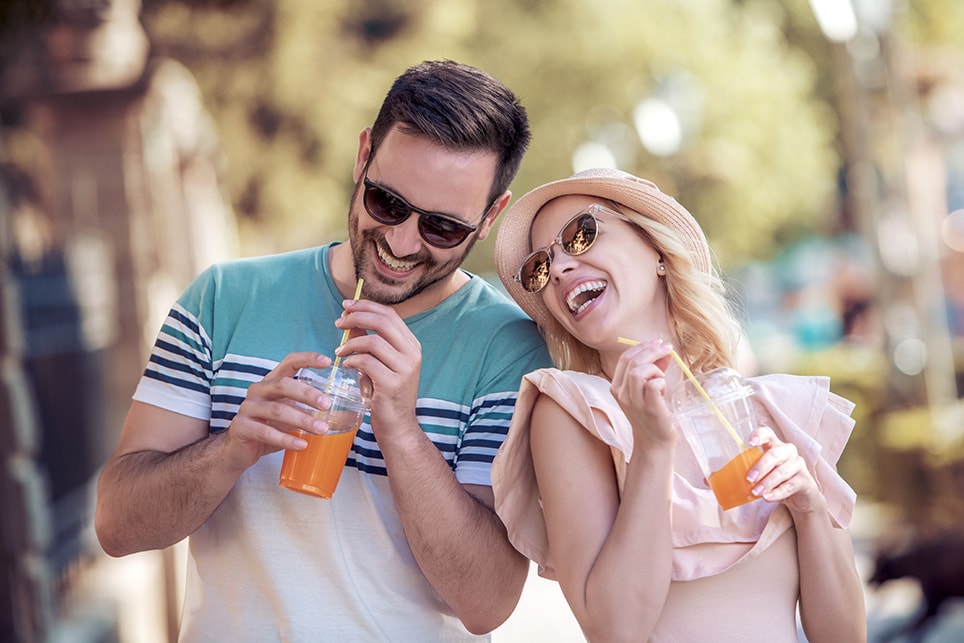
{"x": 512, "y": 243}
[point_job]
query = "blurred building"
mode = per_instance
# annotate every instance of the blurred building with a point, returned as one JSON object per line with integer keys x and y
{"x": 109, "y": 204}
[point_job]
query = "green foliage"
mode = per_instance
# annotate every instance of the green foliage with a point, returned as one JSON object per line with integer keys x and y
{"x": 291, "y": 84}
{"x": 760, "y": 158}
{"x": 936, "y": 23}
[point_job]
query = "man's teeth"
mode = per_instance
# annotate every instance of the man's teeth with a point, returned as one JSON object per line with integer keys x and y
{"x": 588, "y": 286}
{"x": 394, "y": 262}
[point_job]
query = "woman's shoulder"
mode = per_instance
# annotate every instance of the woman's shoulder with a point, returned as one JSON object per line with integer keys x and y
{"x": 550, "y": 379}
{"x": 586, "y": 398}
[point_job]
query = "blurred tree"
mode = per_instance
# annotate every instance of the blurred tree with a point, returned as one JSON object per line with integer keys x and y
{"x": 291, "y": 84}
{"x": 935, "y": 23}
{"x": 756, "y": 153}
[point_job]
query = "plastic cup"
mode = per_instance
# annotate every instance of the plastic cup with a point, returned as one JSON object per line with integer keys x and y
{"x": 316, "y": 469}
{"x": 722, "y": 452}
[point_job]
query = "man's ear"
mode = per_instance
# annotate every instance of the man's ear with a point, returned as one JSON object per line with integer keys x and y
{"x": 493, "y": 214}
{"x": 364, "y": 153}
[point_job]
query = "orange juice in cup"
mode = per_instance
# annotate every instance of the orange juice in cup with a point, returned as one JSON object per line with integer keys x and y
{"x": 316, "y": 469}
{"x": 714, "y": 412}
{"x": 729, "y": 483}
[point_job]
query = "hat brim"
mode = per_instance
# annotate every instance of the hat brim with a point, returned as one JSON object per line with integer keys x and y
{"x": 512, "y": 241}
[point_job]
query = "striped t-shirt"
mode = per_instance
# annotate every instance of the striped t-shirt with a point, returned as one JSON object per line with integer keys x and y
{"x": 231, "y": 326}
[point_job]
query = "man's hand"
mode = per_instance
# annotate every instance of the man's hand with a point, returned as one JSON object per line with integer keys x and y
{"x": 269, "y": 419}
{"x": 169, "y": 472}
{"x": 391, "y": 356}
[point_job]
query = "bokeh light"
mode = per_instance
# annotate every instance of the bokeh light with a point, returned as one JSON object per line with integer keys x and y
{"x": 952, "y": 230}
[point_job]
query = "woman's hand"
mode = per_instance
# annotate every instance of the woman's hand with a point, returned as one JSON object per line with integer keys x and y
{"x": 639, "y": 386}
{"x": 781, "y": 474}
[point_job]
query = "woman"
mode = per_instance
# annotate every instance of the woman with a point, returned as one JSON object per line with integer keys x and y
{"x": 593, "y": 481}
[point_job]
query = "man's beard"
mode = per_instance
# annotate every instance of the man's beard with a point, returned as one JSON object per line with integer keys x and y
{"x": 389, "y": 291}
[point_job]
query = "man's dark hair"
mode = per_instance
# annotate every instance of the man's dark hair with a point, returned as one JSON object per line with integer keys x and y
{"x": 461, "y": 108}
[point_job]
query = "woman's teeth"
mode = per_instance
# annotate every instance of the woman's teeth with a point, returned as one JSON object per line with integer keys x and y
{"x": 576, "y": 303}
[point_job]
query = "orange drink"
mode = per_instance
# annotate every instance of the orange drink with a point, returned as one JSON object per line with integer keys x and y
{"x": 729, "y": 484}
{"x": 316, "y": 469}
{"x": 714, "y": 412}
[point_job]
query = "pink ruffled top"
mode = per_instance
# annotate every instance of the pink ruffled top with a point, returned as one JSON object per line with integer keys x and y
{"x": 710, "y": 545}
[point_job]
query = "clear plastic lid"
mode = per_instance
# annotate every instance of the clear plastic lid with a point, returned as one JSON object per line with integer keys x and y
{"x": 346, "y": 382}
{"x": 722, "y": 384}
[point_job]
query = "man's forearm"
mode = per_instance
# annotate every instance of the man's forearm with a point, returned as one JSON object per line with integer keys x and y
{"x": 459, "y": 543}
{"x": 152, "y": 499}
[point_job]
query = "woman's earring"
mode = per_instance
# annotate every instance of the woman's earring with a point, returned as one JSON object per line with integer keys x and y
{"x": 661, "y": 268}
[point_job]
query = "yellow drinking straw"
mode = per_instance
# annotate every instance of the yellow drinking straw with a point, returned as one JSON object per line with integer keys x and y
{"x": 696, "y": 383}
{"x": 344, "y": 337}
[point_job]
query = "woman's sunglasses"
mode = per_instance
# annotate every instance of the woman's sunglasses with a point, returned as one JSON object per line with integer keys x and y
{"x": 436, "y": 229}
{"x": 575, "y": 238}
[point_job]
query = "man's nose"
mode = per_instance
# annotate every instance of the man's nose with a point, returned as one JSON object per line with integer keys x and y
{"x": 404, "y": 239}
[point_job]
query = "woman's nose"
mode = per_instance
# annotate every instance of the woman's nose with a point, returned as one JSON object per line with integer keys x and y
{"x": 561, "y": 262}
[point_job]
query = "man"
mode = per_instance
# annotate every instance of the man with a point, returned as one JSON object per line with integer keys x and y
{"x": 408, "y": 549}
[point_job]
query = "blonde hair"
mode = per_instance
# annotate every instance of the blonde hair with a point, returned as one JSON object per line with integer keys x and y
{"x": 706, "y": 332}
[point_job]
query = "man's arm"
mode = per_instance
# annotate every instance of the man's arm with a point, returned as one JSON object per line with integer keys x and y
{"x": 168, "y": 474}
{"x": 458, "y": 541}
{"x": 160, "y": 485}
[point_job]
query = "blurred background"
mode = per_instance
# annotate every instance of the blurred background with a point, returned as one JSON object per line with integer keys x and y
{"x": 820, "y": 143}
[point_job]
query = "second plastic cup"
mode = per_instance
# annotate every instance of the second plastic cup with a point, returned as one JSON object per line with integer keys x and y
{"x": 722, "y": 451}
{"x": 316, "y": 469}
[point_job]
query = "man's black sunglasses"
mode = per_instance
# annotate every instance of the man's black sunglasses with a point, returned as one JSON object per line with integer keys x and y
{"x": 439, "y": 230}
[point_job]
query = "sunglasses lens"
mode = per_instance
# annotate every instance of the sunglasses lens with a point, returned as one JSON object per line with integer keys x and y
{"x": 384, "y": 207}
{"x": 440, "y": 232}
{"x": 576, "y": 238}
{"x": 389, "y": 209}
{"x": 579, "y": 235}
{"x": 534, "y": 274}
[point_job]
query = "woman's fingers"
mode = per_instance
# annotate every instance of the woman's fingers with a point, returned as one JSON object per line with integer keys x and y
{"x": 781, "y": 473}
